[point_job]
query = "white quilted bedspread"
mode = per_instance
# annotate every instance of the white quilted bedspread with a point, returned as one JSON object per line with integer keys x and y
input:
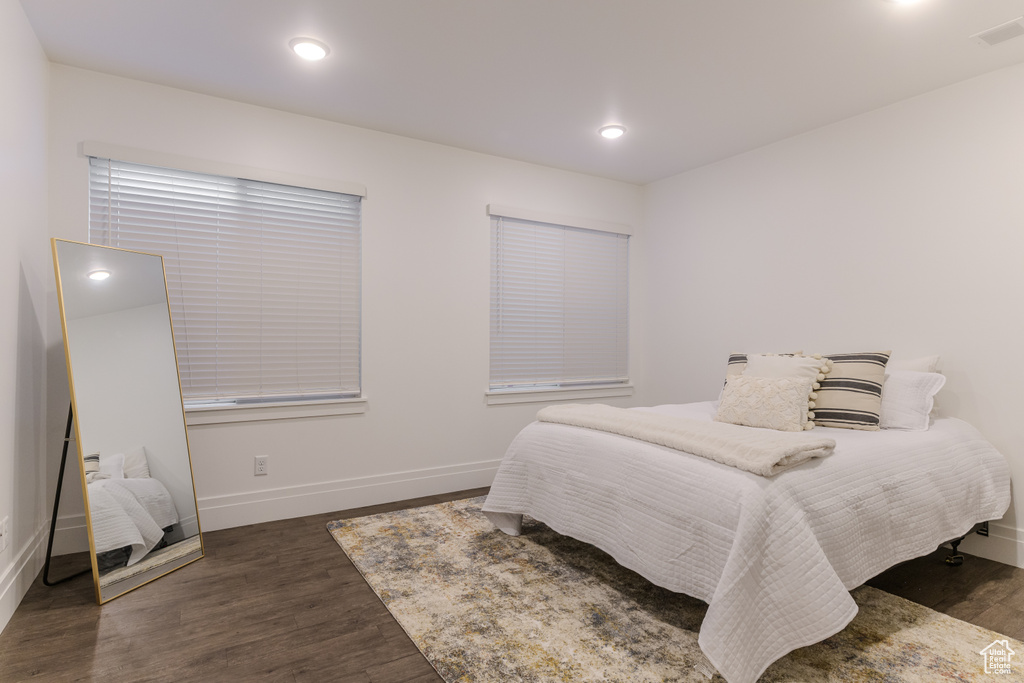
{"x": 775, "y": 558}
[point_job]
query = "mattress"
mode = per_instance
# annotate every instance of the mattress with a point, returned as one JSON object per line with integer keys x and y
{"x": 774, "y": 558}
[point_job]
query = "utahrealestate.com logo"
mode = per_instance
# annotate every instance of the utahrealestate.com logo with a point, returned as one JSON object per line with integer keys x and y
{"x": 997, "y": 657}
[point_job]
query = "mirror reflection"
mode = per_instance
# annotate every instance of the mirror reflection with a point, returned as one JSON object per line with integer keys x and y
{"x": 139, "y": 493}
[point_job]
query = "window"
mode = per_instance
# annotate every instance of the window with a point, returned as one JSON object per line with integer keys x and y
{"x": 559, "y": 304}
{"x": 264, "y": 278}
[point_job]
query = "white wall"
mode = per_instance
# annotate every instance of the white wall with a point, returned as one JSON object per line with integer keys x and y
{"x": 425, "y": 293}
{"x": 25, "y": 275}
{"x": 900, "y": 229}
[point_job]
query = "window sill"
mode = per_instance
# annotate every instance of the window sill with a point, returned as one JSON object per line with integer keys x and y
{"x": 557, "y": 394}
{"x": 208, "y": 415}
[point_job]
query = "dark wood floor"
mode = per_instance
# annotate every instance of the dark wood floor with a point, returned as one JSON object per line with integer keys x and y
{"x": 281, "y": 602}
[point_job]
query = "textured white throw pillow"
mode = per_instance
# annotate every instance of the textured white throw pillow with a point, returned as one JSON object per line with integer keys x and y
{"x": 770, "y": 402}
{"x": 908, "y": 398}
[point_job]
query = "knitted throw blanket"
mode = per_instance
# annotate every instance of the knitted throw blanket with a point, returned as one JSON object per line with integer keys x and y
{"x": 762, "y": 451}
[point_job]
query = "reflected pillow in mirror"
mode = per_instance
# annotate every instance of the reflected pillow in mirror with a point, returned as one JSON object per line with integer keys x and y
{"x": 91, "y": 467}
{"x": 112, "y": 466}
{"x": 908, "y": 398}
{"x": 136, "y": 466}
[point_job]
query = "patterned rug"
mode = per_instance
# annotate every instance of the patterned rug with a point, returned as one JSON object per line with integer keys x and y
{"x": 484, "y": 606}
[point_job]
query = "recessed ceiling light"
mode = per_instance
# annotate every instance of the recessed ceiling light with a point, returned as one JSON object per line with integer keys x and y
{"x": 613, "y": 131}
{"x": 99, "y": 275}
{"x": 903, "y": 2}
{"x": 308, "y": 48}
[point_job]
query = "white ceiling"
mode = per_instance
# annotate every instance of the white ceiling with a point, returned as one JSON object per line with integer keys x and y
{"x": 695, "y": 81}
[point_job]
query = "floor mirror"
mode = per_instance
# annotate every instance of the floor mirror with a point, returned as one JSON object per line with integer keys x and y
{"x": 140, "y": 503}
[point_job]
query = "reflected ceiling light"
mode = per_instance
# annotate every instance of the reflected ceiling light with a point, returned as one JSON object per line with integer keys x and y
{"x": 903, "y": 2}
{"x": 308, "y": 48}
{"x": 99, "y": 275}
{"x": 612, "y": 131}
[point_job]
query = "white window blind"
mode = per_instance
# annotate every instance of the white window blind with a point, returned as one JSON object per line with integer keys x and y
{"x": 264, "y": 279}
{"x": 559, "y": 305}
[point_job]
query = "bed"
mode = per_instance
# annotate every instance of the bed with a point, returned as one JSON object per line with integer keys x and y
{"x": 774, "y": 557}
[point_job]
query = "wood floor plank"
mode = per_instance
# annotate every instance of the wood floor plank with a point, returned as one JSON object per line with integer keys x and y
{"x": 392, "y": 629}
{"x": 963, "y": 592}
{"x": 1008, "y": 617}
{"x": 431, "y": 677}
{"x": 401, "y": 670}
{"x": 281, "y": 602}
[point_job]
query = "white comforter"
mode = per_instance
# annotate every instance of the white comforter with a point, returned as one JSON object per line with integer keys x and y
{"x": 129, "y": 512}
{"x": 774, "y": 558}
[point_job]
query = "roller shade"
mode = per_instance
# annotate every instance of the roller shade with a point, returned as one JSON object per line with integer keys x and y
{"x": 264, "y": 279}
{"x": 559, "y": 305}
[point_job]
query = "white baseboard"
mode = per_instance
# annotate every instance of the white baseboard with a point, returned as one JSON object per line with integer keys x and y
{"x": 20, "y": 574}
{"x": 225, "y": 512}
{"x": 1003, "y": 544}
{"x": 70, "y": 535}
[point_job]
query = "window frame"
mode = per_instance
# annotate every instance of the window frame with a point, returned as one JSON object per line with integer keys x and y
{"x": 567, "y": 390}
{"x": 202, "y": 413}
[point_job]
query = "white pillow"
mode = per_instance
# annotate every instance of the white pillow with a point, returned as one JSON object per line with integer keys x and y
{"x": 770, "y": 402}
{"x": 112, "y": 466}
{"x": 136, "y": 466}
{"x": 908, "y": 398}
{"x": 768, "y": 365}
{"x": 922, "y": 364}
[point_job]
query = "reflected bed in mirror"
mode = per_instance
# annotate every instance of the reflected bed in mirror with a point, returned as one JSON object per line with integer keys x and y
{"x": 140, "y": 503}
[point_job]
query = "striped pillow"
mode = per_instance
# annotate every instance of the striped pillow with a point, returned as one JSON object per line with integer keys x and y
{"x": 850, "y": 397}
{"x": 91, "y": 466}
{"x": 737, "y": 362}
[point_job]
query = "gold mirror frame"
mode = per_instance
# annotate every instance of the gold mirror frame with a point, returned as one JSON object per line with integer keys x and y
{"x": 195, "y": 548}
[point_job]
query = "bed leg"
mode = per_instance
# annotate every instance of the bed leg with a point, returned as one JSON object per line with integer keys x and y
{"x": 955, "y": 559}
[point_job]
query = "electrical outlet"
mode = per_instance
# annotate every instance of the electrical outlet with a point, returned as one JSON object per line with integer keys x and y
{"x": 5, "y": 533}
{"x": 261, "y": 464}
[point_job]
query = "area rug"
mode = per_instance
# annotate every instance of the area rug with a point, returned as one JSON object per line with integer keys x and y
{"x": 484, "y": 606}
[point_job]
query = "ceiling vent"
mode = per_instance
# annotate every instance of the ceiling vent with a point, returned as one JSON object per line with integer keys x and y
{"x": 1001, "y": 33}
